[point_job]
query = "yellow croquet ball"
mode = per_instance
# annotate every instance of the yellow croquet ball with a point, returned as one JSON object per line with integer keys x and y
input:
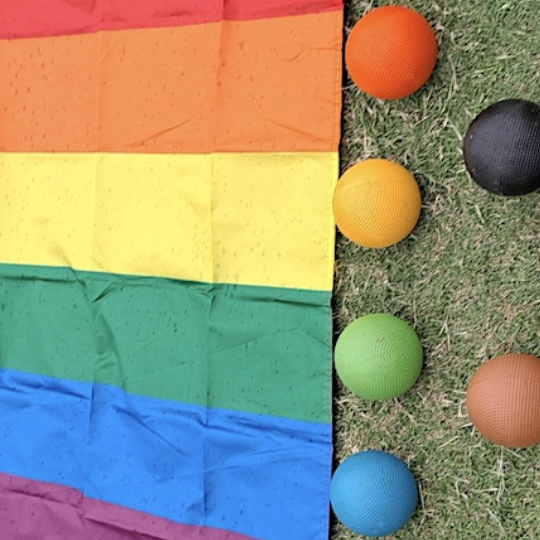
{"x": 376, "y": 203}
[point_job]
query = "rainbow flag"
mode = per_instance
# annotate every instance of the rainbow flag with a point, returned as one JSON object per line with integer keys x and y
{"x": 166, "y": 265}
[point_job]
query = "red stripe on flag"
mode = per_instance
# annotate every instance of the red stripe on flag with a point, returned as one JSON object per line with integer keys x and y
{"x": 40, "y": 18}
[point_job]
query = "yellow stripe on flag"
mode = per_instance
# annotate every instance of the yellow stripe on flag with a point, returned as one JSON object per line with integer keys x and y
{"x": 250, "y": 218}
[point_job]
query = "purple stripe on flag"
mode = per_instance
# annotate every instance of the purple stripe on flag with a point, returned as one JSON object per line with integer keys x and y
{"x": 30, "y": 510}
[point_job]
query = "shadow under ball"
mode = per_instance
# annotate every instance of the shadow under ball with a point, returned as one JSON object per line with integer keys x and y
{"x": 502, "y": 148}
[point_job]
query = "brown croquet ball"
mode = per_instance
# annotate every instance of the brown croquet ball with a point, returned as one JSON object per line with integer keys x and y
{"x": 503, "y": 400}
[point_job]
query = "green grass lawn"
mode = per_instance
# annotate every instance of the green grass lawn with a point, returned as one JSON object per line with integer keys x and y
{"x": 467, "y": 279}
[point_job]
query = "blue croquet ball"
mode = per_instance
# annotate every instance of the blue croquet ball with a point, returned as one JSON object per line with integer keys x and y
{"x": 373, "y": 493}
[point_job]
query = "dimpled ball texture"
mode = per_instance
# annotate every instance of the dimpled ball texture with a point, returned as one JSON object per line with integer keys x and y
{"x": 391, "y": 52}
{"x": 503, "y": 400}
{"x": 378, "y": 356}
{"x": 502, "y": 148}
{"x": 376, "y": 203}
{"x": 373, "y": 493}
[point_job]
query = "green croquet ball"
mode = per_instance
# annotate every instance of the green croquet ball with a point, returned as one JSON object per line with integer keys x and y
{"x": 378, "y": 356}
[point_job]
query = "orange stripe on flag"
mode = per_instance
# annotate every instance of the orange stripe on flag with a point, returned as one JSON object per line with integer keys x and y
{"x": 258, "y": 85}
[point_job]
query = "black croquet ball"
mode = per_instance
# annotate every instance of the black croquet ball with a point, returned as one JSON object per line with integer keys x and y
{"x": 502, "y": 147}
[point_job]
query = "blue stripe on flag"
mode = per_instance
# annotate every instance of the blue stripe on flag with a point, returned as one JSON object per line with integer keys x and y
{"x": 262, "y": 476}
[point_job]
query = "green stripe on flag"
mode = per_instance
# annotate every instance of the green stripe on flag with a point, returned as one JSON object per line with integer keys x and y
{"x": 254, "y": 349}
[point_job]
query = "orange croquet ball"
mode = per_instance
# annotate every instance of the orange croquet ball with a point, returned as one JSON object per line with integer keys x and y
{"x": 391, "y": 52}
{"x": 376, "y": 203}
{"x": 503, "y": 400}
